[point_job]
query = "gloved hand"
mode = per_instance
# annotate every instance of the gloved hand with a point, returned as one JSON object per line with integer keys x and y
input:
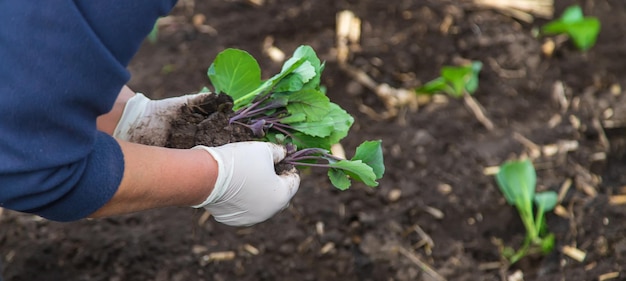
{"x": 148, "y": 121}
{"x": 248, "y": 190}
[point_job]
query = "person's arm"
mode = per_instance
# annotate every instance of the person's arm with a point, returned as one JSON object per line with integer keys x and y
{"x": 108, "y": 121}
{"x": 160, "y": 177}
{"x": 155, "y": 176}
{"x": 236, "y": 182}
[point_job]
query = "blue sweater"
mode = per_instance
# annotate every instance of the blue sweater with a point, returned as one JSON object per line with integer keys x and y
{"x": 62, "y": 64}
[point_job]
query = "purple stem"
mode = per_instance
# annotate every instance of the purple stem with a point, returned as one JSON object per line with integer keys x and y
{"x": 296, "y": 163}
{"x": 307, "y": 152}
{"x": 253, "y": 110}
{"x": 278, "y": 128}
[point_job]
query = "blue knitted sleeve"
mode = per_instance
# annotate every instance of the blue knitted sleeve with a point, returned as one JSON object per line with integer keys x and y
{"x": 62, "y": 64}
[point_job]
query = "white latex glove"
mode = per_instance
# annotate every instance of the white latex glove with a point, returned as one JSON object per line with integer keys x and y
{"x": 248, "y": 190}
{"x": 148, "y": 121}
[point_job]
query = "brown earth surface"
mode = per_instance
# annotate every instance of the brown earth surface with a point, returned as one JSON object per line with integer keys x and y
{"x": 436, "y": 214}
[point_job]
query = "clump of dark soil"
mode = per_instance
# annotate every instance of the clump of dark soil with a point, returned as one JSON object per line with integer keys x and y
{"x": 207, "y": 123}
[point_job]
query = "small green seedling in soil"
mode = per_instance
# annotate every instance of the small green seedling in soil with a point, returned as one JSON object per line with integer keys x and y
{"x": 291, "y": 108}
{"x": 582, "y": 30}
{"x": 517, "y": 180}
{"x": 455, "y": 81}
{"x": 459, "y": 82}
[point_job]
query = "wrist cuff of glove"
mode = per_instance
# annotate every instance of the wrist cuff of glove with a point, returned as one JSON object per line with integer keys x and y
{"x": 133, "y": 110}
{"x": 221, "y": 182}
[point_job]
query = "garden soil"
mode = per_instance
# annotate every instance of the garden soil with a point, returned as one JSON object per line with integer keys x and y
{"x": 437, "y": 214}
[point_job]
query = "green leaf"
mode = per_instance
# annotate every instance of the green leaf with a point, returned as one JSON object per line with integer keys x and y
{"x": 316, "y": 107}
{"x": 546, "y": 200}
{"x": 314, "y": 104}
{"x": 371, "y": 153}
{"x": 572, "y": 14}
{"x": 291, "y": 83}
{"x": 462, "y": 78}
{"x": 302, "y": 71}
{"x": 296, "y": 80}
{"x": 357, "y": 170}
{"x": 517, "y": 180}
{"x": 471, "y": 85}
{"x": 339, "y": 179}
{"x": 316, "y": 128}
{"x": 235, "y": 72}
{"x": 434, "y": 86}
{"x": 309, "y": 54}
{"x": 288, "y": 68}
{"x": 582, "y": 30}
{"x": 314, "y": 83}
{"x": 554, "y": 27}
{"x": 585, "y": 33}
{"x": 457, "y": 77}
{"x": 454, "y": 80}
{"x": 341, "y": 122}
{"x": 302, "y": 140}
{"x": 306, "y": 71}
{"x": 334, "y": 125}
{"x": 547, "y": 243}
{"x": 294, "y": 118}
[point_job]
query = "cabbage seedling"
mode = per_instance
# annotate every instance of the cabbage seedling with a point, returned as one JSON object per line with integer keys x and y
{"x": 582, "y": 30}
{"x": 517, "y": 180}
{"x": 457, "y": 82}
{"x": 292, "y": 108}
{"x": 454, "y": 80}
